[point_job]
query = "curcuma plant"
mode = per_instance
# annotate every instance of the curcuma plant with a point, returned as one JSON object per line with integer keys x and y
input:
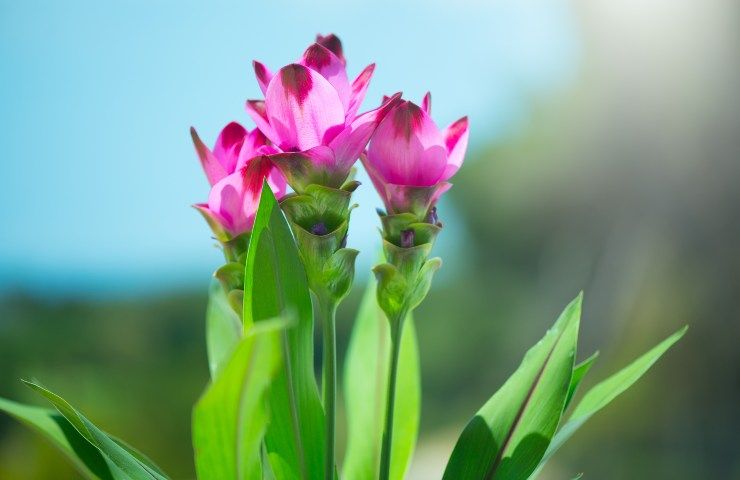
{"x": 279, "y": 206}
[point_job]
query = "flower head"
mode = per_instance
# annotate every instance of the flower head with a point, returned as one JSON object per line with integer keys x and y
{"x": 236, "y": 169}
{"x": 310, "y": 114}
{"x": 410, "y": 159}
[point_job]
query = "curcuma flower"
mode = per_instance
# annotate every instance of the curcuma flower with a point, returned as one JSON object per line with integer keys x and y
{"x": 236, "y": 169}
{"x": 310, "y": 114}
{"x": 410, "y": 160}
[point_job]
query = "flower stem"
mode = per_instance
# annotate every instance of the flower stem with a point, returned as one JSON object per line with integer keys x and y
{"x": 327, "y": 315}
{"x": 385, "y": 453}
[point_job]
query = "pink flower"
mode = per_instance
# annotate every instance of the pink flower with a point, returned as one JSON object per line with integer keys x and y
{"x": 310, "y": 114}
{"x": 236, "y": 169}
{"x": 410, "y": 159}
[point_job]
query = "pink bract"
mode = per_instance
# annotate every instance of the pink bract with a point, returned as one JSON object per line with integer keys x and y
{"x": 410, "y": 160}
{"x": 310, "y": 114}
{"x": 236, "y": 169}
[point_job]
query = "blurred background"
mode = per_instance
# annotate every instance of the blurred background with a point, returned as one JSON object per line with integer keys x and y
{"x": 604, "y": 156}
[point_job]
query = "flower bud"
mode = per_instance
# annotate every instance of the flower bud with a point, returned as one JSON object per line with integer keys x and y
{"x": 407, "y": 238}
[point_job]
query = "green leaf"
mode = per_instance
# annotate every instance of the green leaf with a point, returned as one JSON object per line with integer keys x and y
{"x": 508, "y": 436}
{"x": 223, "y": 328}
{"x": 230, "y": 418}
{"x": 606, "y": 391}
{"x": 579, "y": 371}
{"x": 125, "y": 462}
{"x": 366, "y": 384}
{"x": 84, "y": 456}
{"x": 146, "y": 461}
{"x": 54, "y": 427}
{"x": 275, "y": 283}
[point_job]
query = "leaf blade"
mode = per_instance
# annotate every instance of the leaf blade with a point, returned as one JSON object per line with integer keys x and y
{"x": 60, "y": 433}
{"x": 223, "y": 328}
{"x": 607, "y": 390}
{"x": 508, "y": 436}
{"x": 110, "y": 449}
{"x": 579, "y": 372}
{"x": 230, "y": 418}
{"x": 275, "y": 283}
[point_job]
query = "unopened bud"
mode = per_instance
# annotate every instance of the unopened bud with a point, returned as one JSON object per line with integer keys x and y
{"x": 407, "y": 238}
{"x": 432, "y": 216}
{"x": 319, "y": 229}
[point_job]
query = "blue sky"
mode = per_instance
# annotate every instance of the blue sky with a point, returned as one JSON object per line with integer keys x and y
{"x": 98, "y": 172}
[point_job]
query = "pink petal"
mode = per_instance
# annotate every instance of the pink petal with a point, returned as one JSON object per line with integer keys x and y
{"x": 275, "y": 179}
{"x": 234, "y": 199}
{"x": 441, "y": 188}
{"x": 228, "y": 144}
{"x": 256, "y": 109}
{"x": 456, "y": 140}
{"x": 214, "y": 221}
{"x": 359, "y": 88}
{"x": 263, "y": 74}
{"x": 375, "y": 177}
{"x": 322, "y": 60}
{"x": 254, "y": 174}
{"x": 408, "y": 148}
{"x": 278, "y": 184}
{"x": 211, "y": 166}
{"x": 226, "y": 202}
{"x": 254, "y": 145}
{"x": 303, "y": 108}
{"x": 254, "y": 140}
{"x": 334, "y": 45}
{"x": 350, "y": 143}
{"x": 426, "y": 103}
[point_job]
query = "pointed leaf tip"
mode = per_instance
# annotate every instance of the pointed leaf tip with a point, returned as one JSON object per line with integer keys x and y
{"x": 606, "y": 391}
{"x": 497, "y": 443}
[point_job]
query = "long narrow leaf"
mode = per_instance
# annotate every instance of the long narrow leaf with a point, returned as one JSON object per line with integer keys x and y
{"x": 223, "y": 328}
{"x": 606, "y": 391}
{"x": 275, "y": 283}
{"x": 579, "y": 372}
{"x": 508, "y": 436}
{"x": 112, "y": 450}
{"x": 365, "y": 387}
{"x": 230, "y": 418}
{"x": 54, "y": 427}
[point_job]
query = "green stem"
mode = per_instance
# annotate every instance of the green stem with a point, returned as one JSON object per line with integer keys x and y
{"x": 326, "y": 310}
{"x": 385, "y": 453}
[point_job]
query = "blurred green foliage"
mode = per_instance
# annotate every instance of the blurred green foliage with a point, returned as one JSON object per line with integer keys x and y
{"x": 135, "y": 367}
